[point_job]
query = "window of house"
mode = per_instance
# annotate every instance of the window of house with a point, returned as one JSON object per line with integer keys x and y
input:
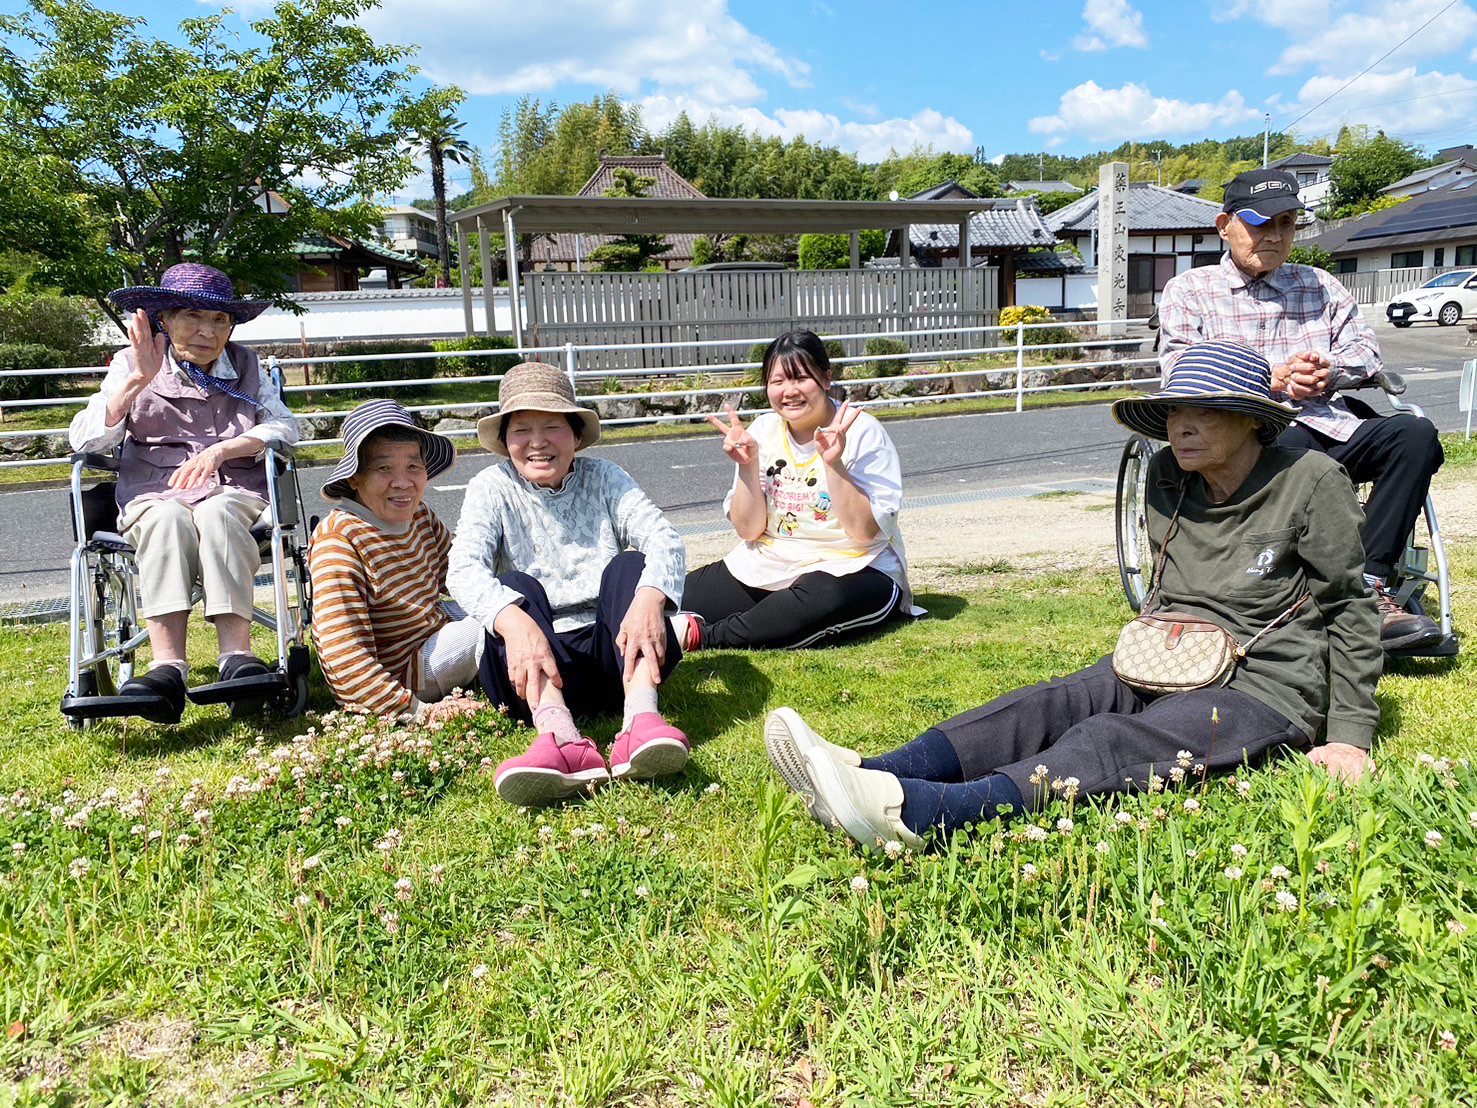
{"x": 1346, "y": 265}
{"x": 1307, "y": 179}
{"x": 1140, "y": 273}
{"x": 1406, "y": 259}
{"x": 1439, "y": 256}
{"x": 1466, "y": 255}
{"x": 1204, "y": 259}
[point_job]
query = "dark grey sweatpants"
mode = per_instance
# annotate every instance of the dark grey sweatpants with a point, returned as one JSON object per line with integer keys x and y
{"x": 1091, "y": 726}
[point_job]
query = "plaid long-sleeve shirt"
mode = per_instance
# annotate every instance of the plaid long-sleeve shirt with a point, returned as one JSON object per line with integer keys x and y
{"x": 1292, "y": 309}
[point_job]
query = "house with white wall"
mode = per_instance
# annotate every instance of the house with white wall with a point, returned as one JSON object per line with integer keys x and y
{"x": 1311, "y": 171}
{"x": 410, "y": 231}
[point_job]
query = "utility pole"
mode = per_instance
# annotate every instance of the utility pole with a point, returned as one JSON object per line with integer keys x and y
{"x": 1266, "y": 139}
{"x": 1041, "y": 166}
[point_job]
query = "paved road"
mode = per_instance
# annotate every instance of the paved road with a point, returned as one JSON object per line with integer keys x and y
{"x": 687, "y": 477}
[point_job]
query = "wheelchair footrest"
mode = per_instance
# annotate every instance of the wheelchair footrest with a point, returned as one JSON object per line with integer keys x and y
{"x": 261, "y": 687}
{"x": 1445, "y": 647}
{"x": 111, "y": 707}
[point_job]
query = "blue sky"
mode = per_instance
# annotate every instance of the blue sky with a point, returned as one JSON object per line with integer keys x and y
{"x": 1065, "y": 76}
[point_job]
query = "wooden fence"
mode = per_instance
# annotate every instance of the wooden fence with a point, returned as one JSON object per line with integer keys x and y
{"x": 610, "y": 308}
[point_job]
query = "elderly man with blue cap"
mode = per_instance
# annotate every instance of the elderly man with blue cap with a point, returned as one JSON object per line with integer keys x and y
{"x": 1308, "y": 326}
{"x": 1248, "y": 537}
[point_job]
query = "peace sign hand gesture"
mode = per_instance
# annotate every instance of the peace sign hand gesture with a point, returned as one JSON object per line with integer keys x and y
{"x": 738, "y": 444}
{"x": 830, "y": 441}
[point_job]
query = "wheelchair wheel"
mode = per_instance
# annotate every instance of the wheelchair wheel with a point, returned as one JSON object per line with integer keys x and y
{"x": 1135, "y": 562}
{"x": 111, "y": 619}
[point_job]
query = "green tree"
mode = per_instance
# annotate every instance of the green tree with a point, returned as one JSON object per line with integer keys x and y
{"x": 1362, "y": 169}
{"x": 1316, "y": 256}
{"x": 923, "y": 168}
{"x": 154, "y": 152}
{"x": 834, "y": 251}
{"x": 436, "y": 132}
{"x": 628, "y": 252}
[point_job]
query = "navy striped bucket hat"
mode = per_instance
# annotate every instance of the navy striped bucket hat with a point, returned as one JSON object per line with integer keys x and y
{"x": 1222, "y": 375}
{"x": 437, "y": 451}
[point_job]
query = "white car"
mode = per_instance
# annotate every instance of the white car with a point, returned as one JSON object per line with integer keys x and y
{"x": 1446, "y": 299}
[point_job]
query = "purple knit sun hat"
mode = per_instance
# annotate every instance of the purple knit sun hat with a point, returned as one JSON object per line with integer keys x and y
{"x": 189, "y": 285}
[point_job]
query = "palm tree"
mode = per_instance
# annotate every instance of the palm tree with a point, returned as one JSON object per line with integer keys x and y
{"x": 437, "y": 135}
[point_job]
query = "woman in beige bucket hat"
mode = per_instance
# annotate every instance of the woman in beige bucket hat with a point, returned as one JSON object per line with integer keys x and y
{"x": 570, "y": 569}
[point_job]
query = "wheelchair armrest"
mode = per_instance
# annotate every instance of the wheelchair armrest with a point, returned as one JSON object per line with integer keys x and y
{"x": 281, "y": 448}
{"x": 1386, "y": 380}
{"x": 109, "y": 462}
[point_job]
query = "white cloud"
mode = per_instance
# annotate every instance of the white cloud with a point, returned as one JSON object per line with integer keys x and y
{"x": 1355, "y": 39}
{"x": 1110, "y": 23}
{"x": 1051, "y": 55}
{"x": 870, "y": 141}
{"x": 1111, "y": 115}
{"x": 503, "y": 47}
{"x": 1401, "y": 102}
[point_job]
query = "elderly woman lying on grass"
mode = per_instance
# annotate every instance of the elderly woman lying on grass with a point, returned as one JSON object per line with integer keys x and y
{"x": 387, "y": 642}
{"x": 1247, "y": 536}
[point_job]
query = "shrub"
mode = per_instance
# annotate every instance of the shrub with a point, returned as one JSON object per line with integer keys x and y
{"x": 475, "y": 367}
{"x": 1037, "y": 336}
{"x": 27, "y": 355}
{"x": 834, "y": 251}
{"x": 65, "y": 324}
{"x": 755, "y": 376}
{"x": 888, "y": 367}
{"x": 370, "y": 372}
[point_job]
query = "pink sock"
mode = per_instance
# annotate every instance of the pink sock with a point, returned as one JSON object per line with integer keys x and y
{"x": 556, "y": 718}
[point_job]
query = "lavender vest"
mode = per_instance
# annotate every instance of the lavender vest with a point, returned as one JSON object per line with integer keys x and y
{"x": 174, "y": 419}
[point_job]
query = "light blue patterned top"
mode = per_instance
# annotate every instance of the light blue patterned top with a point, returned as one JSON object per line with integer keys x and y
{"x": 563, "y": 537}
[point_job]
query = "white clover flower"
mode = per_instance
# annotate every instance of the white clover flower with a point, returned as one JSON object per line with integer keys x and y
{"x": 1233, "y": 873}
{"x": 1238, "y": 851}
{"x": 1124, "y": 818}
{"x": 479, "y": 971}
{"x": 1177, "y": 774}
{"x": 1103, "y": 847}
{"x": 1184, "y": 758}
{"x": 1035, "y": 834}
{"x": 312, "y": 862}
{"x": 1243, "y": 789}
{"x": 57, "y": 812}
{"x": 343, "y": 823}
{"x": 1424, "y": 759}
{"x": 643, "y": 892}
{"x": 202, "y": 817}
{"x": 713, "y": 789}
{"x": 1039, "y": 774}
{"x": 137, "y": 829}
{"x": 1156, "y": 783}
{"x": 79, "y": 868}
{"x": 1456, "y": 927}
{"x": 392, "y": 922}
{"x": 1065, "y": 825}
{"x": 859, "y": 884}
{"x": 892, "y": 848}
{"x": 586, "y": 893}
{"x": 545, "y": 833}
{"x": 1191, "y": 853}
{"x": 404, "y": 889}
{"x": 1434, "y": 840}
{"x": 155, "y": 835}
{"x": 668, "y": 838}
{"x": 17, "y": 849}
{"x": 184, "y": 840}
{"x": 164, "y": 773}
{"x": 1446, "y": 1040}
{"x": 1191, "y": 804}
{"x": 389, "y": 841}
{"x": 1028, "y": 873}
{"x": 1286, "y": 901}
{"x": 437, "y": 871}
{"x": 302, "y": 902}
{"x": 1280, "y": 873}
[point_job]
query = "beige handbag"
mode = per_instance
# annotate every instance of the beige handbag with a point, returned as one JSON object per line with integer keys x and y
{"x": 1170, "y": 652}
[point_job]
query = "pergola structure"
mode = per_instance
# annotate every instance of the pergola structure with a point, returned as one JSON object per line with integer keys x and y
{"x": 610, "y": 215}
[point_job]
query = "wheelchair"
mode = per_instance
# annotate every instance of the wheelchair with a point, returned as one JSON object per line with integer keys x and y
{"x": 107, "y": 632}
{"x": 1409, "y": 580}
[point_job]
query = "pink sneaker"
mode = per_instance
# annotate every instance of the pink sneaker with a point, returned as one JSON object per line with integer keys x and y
{"x": 651, "y": 748}
{"x": 547, "y": 772}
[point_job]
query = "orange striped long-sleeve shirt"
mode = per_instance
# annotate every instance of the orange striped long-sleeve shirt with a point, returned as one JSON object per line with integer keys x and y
{"x": 376, "y": 600}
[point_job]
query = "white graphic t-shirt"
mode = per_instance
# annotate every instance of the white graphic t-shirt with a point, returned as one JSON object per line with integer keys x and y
{"x": 802, "y": 534}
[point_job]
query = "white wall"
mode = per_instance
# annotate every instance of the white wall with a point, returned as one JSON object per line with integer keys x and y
{"x": 1074, "y": 290}
{"x": 386, "y": 313}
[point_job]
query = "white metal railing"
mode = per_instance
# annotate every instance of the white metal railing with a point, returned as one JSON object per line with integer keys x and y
{"x": 691, "y": 380}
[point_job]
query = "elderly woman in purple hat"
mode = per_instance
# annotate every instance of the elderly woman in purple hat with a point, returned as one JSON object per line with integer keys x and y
{"x": 1257, "y": 540}
{"x": 193, "y": 413}
{"x": 572, "y": 571}
{"x": 387, "y": 642}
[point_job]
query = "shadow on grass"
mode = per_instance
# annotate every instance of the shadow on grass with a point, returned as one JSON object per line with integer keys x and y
{"x": 941, "y": 606}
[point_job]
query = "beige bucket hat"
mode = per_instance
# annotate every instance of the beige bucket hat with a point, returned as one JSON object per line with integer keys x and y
{"x": 535, "y": 387}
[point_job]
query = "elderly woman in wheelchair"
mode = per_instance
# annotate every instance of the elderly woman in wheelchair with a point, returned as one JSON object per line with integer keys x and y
{"x": 1258, "y": 580}
{"x": 192, "y": 415}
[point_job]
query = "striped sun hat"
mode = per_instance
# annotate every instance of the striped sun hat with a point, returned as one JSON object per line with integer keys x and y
{"x": 1222, "y": 375}
{"x": 437, "y": 451}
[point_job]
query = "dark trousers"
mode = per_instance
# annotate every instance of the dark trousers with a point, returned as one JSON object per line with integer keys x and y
{"x": 1091, "y": 726}
{"x": 818, "y": 607}
{"x": 589, "y": 663}
{"x": 1398, "y": 453}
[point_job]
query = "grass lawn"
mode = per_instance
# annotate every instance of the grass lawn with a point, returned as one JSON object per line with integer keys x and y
{"x": 311, "y": 912}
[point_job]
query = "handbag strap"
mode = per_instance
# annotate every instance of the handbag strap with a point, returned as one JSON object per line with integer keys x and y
{"x": 1242, "y": 649}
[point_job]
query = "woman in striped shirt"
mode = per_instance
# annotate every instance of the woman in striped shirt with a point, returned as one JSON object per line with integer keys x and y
{"x": 387, "y": 642}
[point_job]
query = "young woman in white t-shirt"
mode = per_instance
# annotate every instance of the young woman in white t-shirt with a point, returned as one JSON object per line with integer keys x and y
{"x": 815, "y": 497}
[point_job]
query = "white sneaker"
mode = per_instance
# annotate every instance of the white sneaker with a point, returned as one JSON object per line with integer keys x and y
{"x": 867, "y": 803}
{"x": 787, "y": 737}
